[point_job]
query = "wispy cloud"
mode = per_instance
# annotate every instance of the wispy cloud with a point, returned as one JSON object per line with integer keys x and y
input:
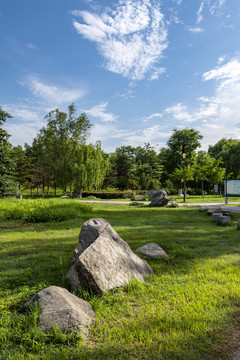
{"x": 53, "y": 94}
{"x": 196, "y": 29}
{"x": 131, "y": 37}
{"x": 99, "y": 111}
{"x": 199, "y": 13}
{"x": 31, "y": 46}
{"x": 28, "y": 114}
{"x": 214, "y": 7}
{"x": 216, "y": 116}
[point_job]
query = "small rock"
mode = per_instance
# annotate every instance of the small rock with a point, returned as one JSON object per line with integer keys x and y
{"x": 153, "y": 251}
{"x": 173, "y": 204}
{"x": 61, "y": 308}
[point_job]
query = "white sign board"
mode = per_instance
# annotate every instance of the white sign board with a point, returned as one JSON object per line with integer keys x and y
{"x": 233, "y": 187}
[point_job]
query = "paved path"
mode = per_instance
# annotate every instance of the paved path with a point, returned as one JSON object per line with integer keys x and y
{"x": 222, "y": 204}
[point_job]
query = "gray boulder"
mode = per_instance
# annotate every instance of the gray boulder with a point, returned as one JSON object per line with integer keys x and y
{"x": 61, "y": 308}
{"x": 138, "y": 198}
{"x": 213, "y": 210}
{"x": 159, "y": 198}
{"x": 102, "y": 260}
{"x": 153, "y": 251}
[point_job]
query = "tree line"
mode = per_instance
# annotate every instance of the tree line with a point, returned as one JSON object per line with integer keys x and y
{"x": 59, "y": 157}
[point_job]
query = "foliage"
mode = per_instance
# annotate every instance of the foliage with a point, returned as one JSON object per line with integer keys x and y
{"x": 181, "y": 141}
{"x": 137, "y": 168}
{"x": 229, "y": 151}
{"x": 7, "y": 186}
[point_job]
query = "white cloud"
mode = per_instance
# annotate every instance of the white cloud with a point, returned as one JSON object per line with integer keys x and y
{"x": 195, "y": 29}
{"x": 221, "y": 59}
{"x": 131, "y": 37}
{"x": 22, "y": 133}
{"x": 199, "y": 13}
{"x": 99, "y": 111}
{"x": 28, "y": 115}
{"x": 155, "y": 115}
{"x": 215, "y": 116}
{"x": 52, "y": 94}
{"x": 179, "y": 112}
{"x": 153, "y": 135}
{"x": 228, "y": 73}
{"x": 22, "y": 112}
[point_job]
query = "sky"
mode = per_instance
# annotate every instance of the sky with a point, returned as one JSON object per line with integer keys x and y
{"x": 138, "y": 68}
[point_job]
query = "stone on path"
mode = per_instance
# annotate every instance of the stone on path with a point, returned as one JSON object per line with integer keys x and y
{"x": 159, "y": 198}
{"x": 223, "y": 220}
{"x": 153, "y": 251}
{"x": 102, "y": 260}
{"x": 61, "y": 308}
{"x": 215, "y": 216}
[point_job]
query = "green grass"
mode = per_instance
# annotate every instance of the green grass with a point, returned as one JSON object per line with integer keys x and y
{"x": 187, "y": 310}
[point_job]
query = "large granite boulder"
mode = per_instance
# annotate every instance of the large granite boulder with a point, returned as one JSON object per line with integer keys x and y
{"x": 159, "y": 198}
{"x": 61, "y": 308}
{"x": 153, "y": 251}
{"x": 102, "y": 260}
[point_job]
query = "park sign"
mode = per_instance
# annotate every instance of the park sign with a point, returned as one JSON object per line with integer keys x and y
{"x": 232, "y": 187}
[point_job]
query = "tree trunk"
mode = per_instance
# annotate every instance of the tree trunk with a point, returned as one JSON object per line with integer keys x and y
{"x": 71, "y": 190}
{"x": 202, "y": 190}
{"x": 48, "y": 190}
{"x": 43, "y": 190}
{"x": 31, "y": 192}
{"x": 37, "y": 190}
{"x": 64, "y": 192}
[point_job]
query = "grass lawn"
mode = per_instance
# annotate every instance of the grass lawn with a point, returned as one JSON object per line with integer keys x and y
{"x": 188, "y": 310}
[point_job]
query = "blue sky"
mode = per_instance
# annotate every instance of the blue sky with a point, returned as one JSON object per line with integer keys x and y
{"x": 137, "y": 68}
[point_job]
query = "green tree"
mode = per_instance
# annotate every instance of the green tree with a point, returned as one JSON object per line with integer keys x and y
{"x": 22, "y": 166}
{"x": 89, "y": 167}
{"x": 59, "y": 141}
{"x": 208, "y": 170}
{"x": 229, "y": 151}
{"x": 181, "y": 141}
{"x": 7, "y": 185}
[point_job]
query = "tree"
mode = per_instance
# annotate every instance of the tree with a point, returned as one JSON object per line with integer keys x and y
{"x": 22, "y": 166}
{"x": 7, "y": 185}
{"x": 58, "y": 142}
{"x": 89, "y": 167}
{"x": 124, "y": 162}
{"x": 208, "y": 170}
{"x": 147, "y": 167}
{"x": 229, "y": 151}
{"x": 181, "y": 141}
